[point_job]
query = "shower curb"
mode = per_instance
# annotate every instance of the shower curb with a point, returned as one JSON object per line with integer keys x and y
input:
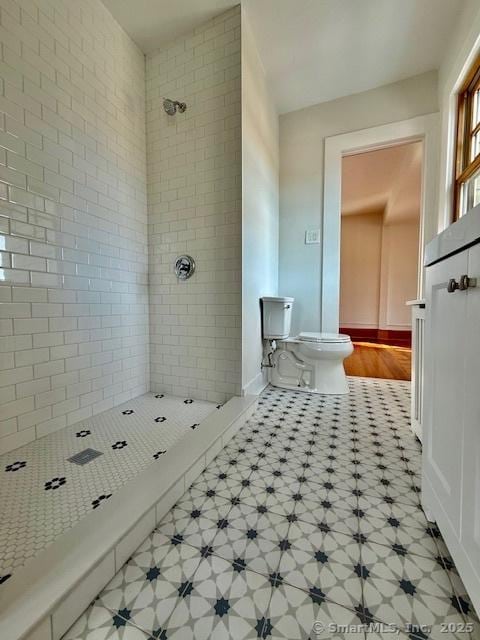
{"x": 45, "y": 597}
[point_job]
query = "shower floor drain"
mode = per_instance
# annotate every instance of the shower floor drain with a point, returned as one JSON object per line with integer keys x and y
{"x": 85, "y": 456}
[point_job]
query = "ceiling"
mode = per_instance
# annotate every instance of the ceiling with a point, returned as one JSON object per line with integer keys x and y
{"x": 152, "y": 23}
{"x": 313, "y": 50}
{"x": 386, "y": 180}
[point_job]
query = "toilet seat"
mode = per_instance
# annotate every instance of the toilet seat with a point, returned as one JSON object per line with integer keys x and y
{"x": 308, "y": 336}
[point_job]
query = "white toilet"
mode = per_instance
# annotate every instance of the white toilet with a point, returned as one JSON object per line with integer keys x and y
{"x": 311, "y": 362}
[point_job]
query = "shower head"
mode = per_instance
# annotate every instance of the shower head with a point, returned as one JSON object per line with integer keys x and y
{"x": 171, "y": 106}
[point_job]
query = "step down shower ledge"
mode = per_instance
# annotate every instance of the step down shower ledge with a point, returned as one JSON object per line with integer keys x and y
{"x": 45, "y": 597}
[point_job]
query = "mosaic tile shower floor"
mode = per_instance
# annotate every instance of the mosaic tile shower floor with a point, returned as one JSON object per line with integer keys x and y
{"x": 42, "y": 495}
{"x": 309, "y": 519}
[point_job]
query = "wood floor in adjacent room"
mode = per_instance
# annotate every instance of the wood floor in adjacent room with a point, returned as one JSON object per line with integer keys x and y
{"x": 371, "y": 360}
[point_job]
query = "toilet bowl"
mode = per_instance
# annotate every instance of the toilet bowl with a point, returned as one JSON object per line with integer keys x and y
{"x": 311, "y": 362}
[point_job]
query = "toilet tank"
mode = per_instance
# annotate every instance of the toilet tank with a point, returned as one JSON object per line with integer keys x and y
{"x": 277, "y": 317}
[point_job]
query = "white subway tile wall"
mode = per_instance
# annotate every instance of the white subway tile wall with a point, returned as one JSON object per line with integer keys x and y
{"x": 73, "y": 217}
{"x": 194, "y": 203}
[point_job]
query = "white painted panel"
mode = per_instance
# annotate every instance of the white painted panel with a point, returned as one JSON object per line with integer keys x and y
{"x": 80, "y": 597}
{"x": 471, "y": 453}
{"x": 445, "y": 378}
{"x": 43, "y": 631}
{"x": 134, "y": 538}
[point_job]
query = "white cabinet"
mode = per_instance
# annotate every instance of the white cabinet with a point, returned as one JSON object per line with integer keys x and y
{"x": 451, "y": 444}
{"x": 471, "y": 423}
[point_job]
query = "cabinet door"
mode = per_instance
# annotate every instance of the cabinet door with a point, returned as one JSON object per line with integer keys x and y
{"x": 444, "y": 391}
{"x": 471, "y": 457}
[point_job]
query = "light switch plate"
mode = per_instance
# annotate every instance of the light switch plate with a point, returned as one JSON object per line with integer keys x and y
{"x": 312, "y": 236}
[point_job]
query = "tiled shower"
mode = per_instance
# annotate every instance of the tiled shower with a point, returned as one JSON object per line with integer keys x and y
{"x": 194, "y": 177}
{"x": 100, "y": 190}
{"x": 114, "y": 373}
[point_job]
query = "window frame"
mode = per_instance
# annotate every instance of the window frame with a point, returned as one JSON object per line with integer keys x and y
{"x": 464, "y": 167}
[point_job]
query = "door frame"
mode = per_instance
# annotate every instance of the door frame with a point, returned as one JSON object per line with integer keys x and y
{"x": 423, "y": 128}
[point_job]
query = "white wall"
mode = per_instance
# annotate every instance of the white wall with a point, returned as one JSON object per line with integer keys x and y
{"x": 302, "y": 135}
{"x": 194, "y": 207}
{"x": 73, "y": 243}
{"x": 260, "y": 205}
{"x": 463, "y": 48}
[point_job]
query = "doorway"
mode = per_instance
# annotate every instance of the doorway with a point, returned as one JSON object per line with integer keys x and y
{"x": 381, "y": 202}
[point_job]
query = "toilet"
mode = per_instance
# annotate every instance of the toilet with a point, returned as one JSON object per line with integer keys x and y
{"x": 311, "y": 362}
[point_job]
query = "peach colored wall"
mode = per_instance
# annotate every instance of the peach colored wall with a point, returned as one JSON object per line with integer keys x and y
{"x": 398, "y": 274}
{"x": 378, "y": 271}
{"x": 360, "y": 266}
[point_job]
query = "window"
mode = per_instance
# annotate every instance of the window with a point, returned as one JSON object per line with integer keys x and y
{"x": 467, "y": 161}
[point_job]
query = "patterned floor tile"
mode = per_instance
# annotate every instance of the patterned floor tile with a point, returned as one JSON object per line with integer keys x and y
{"x": 98, "y": 623}
{"x": 388, "y": 475}
{"x": 298, "y": 447}
{"x": 147, "y": 588}
{"x": 284, "y": 462}
{"x": 396, "y": 525}
{"x": 224, "y": 486}
{"x": 305, "y": 527}
{"x": 273, "y": 482}
{"x": 294, "y": 614}
{"x": 341, "y": 481}
{"x": 276, "y": 502}
{"x": 205, "y": 499}
{"x": 227, "y": 481}
{"x": 194, "y": 523}
{"x": 388, "y": 634}
{"x": 224, "y": 601}
{"x": 377, "y": 507}
{"x": 403, "y": 491}
{"x": 464, "y": 603}
{"x": 267, "y": 523}
{"x": 330, "y": 517}
{"x": 257, "y": 542}
{"x": 318, "y": 466}
{"x": 325, "y": 561}
{"x": 404, "y": 589}
{"x": 308, "y": 502}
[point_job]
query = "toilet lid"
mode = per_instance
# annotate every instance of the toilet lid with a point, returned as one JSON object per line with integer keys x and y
{"x": 323, "y": 337}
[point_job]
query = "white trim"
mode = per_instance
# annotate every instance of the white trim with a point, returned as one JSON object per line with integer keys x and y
{"x": 452, "y": 74}
{"x": 423, "y": 128}
{"x": 256, "y": 385}
{"x": 396, "y": 327}
{"x": 358, "y": 325}
{"x": 418, "y": 358}
{"x": 384, "y": 327}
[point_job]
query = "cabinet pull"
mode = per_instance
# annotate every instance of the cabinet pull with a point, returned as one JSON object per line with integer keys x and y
{"x": 467, "y": 283}
{"x": 452, "y": 285}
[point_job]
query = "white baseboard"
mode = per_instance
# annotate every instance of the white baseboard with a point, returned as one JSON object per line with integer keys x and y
{"x": 396, "y": 327}
{"x": 358, "y": 325}
{"x": 256, "y": 385}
